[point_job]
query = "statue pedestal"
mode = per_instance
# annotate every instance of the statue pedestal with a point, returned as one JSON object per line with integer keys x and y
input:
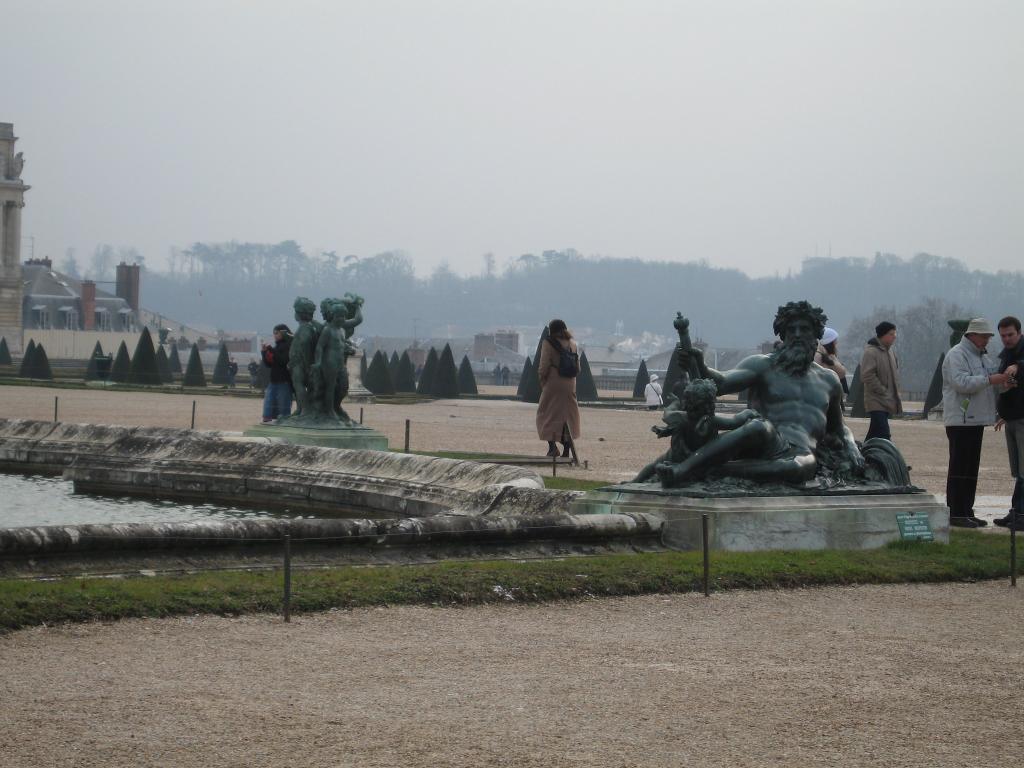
{"x": 357, "y": 393}
{"x": 748, "y": 523}
{"x": 355, "y": 436}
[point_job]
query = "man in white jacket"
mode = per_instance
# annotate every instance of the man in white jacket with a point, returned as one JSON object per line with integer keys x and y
{"x": 969, "y": 380}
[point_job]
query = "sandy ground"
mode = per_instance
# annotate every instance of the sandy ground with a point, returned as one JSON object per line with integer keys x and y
{"x": 868, "y": 676}
{"x": 914, "y": 675}
{"x": 615, "y": 443}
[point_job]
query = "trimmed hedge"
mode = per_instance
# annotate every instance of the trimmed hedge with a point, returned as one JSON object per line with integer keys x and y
{"x": 405, "y": 380}
{"x": 586, "y": 389}
{"x": 144, "y": 365}
{"x": 26, "y": 360}
{"x": 121, "y": 370}
{"x": 643, "y": 378}
{"x": 194, "y": 374}
{"x": 426, "y": 383}
{"x": 378, "y": 377}
{"x": 446, "y": 380}
{"x": 467, "y": 381}
{"x": 220, "y": 369}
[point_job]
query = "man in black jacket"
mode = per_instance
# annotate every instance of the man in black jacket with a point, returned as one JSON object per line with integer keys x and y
{"x": 1010, "y": 407}
{"x": 277, "y": 401}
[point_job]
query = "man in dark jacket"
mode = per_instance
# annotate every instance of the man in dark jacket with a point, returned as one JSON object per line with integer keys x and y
{"x": 277, "y": 401}
{"x": 1010, "y": 408}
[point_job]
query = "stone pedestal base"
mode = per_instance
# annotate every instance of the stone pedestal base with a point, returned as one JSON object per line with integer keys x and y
{"x": 751, "y": 523}
{"x": 357, "y": 393}
{"x": 328, "y": 436}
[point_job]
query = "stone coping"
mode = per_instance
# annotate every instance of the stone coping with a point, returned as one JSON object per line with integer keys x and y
{"x": 178, "y": 463}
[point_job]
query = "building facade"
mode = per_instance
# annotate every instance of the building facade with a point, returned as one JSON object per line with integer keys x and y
{"x": 12, "y": 200}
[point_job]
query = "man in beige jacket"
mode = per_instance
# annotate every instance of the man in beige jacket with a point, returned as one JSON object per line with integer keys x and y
{"x": 880, "y": 377}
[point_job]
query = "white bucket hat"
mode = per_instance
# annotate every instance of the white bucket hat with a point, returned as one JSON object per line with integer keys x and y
{"x": 829, "y": 335}
{"x": 980, "y": 326}
{"x": 654, "y": 377}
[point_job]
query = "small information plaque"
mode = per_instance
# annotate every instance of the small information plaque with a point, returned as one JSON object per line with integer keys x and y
{"x": 914, "y": 527}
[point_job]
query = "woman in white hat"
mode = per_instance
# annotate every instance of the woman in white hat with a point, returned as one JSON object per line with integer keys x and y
{"x": 826, "y": 356}
{"x": 652, "y": 392}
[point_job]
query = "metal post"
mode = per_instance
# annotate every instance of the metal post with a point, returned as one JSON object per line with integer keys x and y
{"x": 554, "y": 466}
{"x": 287, "y": 577}
{"x": 360, "y": 415}
{"x": 407, "y": 435}
{"x": 1013, "y": 547}
{"x": 193, "y": 414}
{"x": 704, "y": 545}
{"x": 55, "y": 408}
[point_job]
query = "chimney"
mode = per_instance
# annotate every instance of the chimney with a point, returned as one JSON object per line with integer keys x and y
{"x": 128, "y": 284}
{"x": 88, "y": 305}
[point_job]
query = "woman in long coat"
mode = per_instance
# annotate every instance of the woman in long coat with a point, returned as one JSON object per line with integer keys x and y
{"x": 558, "y": 414}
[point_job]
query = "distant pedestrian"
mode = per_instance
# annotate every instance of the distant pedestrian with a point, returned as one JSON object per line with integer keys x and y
{"x": 652, "y": 394}
{"x": 506, "y": 375}
{"x": 1010, "y": 410}
{"x": 827, "y": 356}
{"x": 254, "y": 374}
{"x": 969, "y": 378}
{"x": 277, "y": 401}
{"x": 879, "y": 373}
{"x": 558, "y": 414}
{"x": 232, "y": 372}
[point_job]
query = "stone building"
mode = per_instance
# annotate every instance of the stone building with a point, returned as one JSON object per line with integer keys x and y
{"x": 12, "y": 200}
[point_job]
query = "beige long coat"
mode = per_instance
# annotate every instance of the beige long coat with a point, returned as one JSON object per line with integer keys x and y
{"x": 558, "y": 406}
{"x": 879, "y": 373}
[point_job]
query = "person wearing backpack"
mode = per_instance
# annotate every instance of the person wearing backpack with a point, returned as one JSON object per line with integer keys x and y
{"x": 558, "y": 414}
{"x": 652, "y": 393}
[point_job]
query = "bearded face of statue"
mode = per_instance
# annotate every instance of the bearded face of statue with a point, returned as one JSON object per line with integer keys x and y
{"x": 799, "y": 343}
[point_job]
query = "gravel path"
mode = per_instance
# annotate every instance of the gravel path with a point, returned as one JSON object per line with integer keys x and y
{"x": 926, "y": 675}
{"x": 615, "y": 443}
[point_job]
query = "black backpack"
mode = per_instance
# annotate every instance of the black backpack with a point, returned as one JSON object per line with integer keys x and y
{"x": 568, "y": 361}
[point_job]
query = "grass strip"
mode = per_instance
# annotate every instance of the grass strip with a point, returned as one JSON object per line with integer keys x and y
{"x": 970, "y": 556}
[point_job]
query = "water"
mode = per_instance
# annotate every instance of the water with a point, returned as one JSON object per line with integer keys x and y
{"x": 35, "y": 500}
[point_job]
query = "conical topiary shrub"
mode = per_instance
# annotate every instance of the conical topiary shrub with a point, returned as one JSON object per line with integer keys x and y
{"x": 668, "y": 387}
{"x": 426, "y": 383}
{"x": 220, "y": 369}
{"x": 121, "y": 370}
{"x": 174, "y": 361}
{"x": 378, "y": 377}
{"x": 393, "y": 362}
{"x": 467, "y": 381}
{"x": 586, "y": 389}
{"x": 643, "y": 378}
{"x": 857, "y": 396}
{"x": 5, "y": 353}
{"x": 934, "y": 396}
{"x": 194, "y": 375}
{"x": 144, "y": 369}
{"x": 163, "y": 366}
{"x": 446, "y": 380}
{"x": 520, "y": 390}
{"x": 39, "y": 365}
{"x": 363, "y": 369}
{"x": 90, "y": 370}
{"x": 405, "y": 381}
{"x": 26, "y": 360}
{"x": 531, "y": 387}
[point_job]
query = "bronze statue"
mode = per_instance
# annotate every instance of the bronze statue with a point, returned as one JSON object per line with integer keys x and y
{"x": 796, "y": 429}
{"x": 302, "y": 353}
{"x": 317, "y": 363}
{"x": 691, "y": 422}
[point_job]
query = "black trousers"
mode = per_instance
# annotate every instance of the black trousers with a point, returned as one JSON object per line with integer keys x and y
{"x": 962, "y": 476}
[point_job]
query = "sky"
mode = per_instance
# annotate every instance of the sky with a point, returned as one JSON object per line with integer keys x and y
{"x": 746, "y": 134}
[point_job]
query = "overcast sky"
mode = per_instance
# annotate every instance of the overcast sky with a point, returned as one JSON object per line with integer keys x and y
{"x": 749, "y": 134}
